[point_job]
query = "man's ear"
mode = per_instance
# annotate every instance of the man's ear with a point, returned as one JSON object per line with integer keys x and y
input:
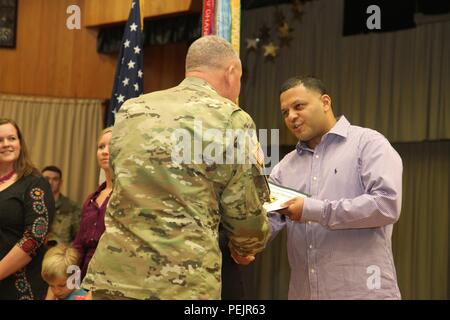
{"x": 326, "y": 100}
{"x": 229, "y": 73}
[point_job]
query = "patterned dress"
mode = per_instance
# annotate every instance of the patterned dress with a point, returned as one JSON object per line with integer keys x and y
{"x": 26, "y": 208}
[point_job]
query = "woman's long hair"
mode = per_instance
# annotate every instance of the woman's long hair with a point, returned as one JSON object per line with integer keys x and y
{"x": 23, "y": 165}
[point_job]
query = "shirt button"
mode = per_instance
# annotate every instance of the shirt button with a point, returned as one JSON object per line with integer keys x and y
{"x": 317, "y": 157}
{"x": 312, "y": 270}
{"x": 310, "y": 246}
{"x": 314, "y": 178}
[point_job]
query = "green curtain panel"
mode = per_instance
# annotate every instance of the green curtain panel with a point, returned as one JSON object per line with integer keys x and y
{"x": 421, "y": 237}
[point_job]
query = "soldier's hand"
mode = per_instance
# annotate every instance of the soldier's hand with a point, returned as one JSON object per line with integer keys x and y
{"x": 243, "y": 260}
{"x": 294, "y": 208}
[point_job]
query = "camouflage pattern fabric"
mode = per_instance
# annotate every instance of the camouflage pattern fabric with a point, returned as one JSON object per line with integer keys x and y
{"x": 66, "y": 222}
{"x": 161, "y": 238}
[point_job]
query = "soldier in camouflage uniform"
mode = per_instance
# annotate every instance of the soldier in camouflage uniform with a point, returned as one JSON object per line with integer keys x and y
{"x": 66, "y": 221}
{"x": 161, "y": 238}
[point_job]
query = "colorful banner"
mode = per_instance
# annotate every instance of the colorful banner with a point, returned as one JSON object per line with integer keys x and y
{"x": 208, "y": 13}
{"x": 223, "y": 18}
{"x": 236, "y": 24}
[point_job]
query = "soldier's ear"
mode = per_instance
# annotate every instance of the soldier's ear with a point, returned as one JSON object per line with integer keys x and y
{"x": 229, "y": 74}
{"x": 229, "y": 71}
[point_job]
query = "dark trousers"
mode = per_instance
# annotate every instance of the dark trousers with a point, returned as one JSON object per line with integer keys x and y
{"x": 232, "y": 274}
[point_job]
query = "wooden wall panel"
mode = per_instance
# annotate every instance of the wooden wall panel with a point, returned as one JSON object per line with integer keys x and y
{"x": 100, "y": 12}
{"x": 51, "y": 60}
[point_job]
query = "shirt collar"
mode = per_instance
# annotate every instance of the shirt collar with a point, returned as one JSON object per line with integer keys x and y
{"x": 340, "y": 128}
{"x": 302, "y": 146}
{"x": 194, "y": 81}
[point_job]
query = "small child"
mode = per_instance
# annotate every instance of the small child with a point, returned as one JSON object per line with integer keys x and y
{"x": 55, "y": 265}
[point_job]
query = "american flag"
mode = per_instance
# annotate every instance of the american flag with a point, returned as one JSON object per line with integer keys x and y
{"x": 129, "y": 80}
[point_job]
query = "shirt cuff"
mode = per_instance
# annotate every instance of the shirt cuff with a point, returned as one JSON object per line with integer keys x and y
{"x": 28, "y": 245}
{"x": 313, "y": 210}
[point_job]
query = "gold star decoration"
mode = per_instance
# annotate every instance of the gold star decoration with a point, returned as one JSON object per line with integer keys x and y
{"x": 270, "y": 50}
{"x": 284, "y": 31}
{"x": 252, "y": 44}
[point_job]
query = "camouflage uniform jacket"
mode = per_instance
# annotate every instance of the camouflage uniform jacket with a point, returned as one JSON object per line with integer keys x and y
{"x": 161, "y": 238}
{"x": 66, "y": 222}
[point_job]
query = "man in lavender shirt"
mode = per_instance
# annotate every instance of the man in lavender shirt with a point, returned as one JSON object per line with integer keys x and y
{"x": 339, "y": 238}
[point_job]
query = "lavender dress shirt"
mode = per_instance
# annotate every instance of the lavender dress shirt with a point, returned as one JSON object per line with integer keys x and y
{"x": 341, "y": 248}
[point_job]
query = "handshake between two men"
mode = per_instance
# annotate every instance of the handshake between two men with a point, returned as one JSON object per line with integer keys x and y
{"x": 291, "y": 208}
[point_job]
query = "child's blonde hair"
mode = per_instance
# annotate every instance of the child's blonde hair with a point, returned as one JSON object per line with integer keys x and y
{"x": 56, "y": 261}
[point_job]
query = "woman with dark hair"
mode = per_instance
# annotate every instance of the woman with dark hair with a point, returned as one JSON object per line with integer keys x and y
{"x": 26, "y": 210}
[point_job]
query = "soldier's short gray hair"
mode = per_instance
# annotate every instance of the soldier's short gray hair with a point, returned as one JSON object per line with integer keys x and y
{"x": 209, "y": 51}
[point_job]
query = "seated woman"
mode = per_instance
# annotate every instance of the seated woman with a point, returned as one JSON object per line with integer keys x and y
{"x": 26, "y": 210}
{"x": 92, "y": 223}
